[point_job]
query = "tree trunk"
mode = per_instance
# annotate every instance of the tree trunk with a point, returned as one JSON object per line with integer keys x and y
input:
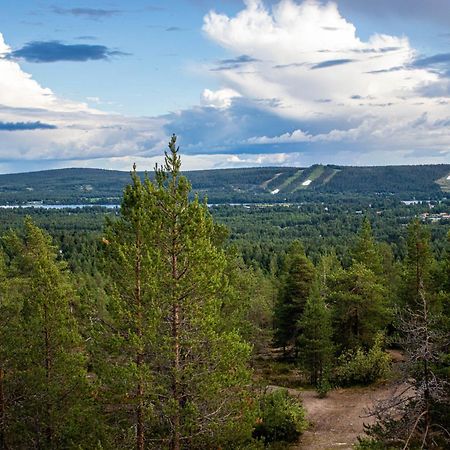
{"x": 2, "y": 411}
{"x": 139, "y": 356}
{"x": 176, "y": 371}
{"x": 418, "y": 274}
{"x": 48, "y": 365}
{"x": 426, "y": 369}
{"x": 176, "y": 439}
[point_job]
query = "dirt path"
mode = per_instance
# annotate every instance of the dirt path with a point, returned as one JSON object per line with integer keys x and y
{"x": 337, "y": 420}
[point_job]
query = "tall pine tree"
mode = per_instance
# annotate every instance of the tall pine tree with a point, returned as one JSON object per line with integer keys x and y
{"x": 296, "y": 286}
{"x": 126, "y": 334}
{"x": 366, "y": 250}
{"x": 193, "y": 370}
{"x": 315, "y": 341}
{"x": 418, "y": 265}
{"x": 360, "y": 307}
{"x": 47, "y": 392}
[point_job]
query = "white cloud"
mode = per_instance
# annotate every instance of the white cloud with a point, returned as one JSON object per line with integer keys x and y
{"x": 299, "y": 86}
{"x": 278, "y": 159}
{"x": 296, "y": 136}
{"x": 81, "y": 133}
{"x": 311, "y": 60}
{"x": 221, "y": 98}
{"x": 17, "y": 88}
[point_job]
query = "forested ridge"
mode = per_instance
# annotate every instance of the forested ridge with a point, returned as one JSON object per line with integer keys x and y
{"x": 270, "y": 184}
{"x": 172, "y": 324}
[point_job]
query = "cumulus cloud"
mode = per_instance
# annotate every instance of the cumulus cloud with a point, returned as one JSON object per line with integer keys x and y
{"x": 51, "y": 128}
{"x": 52, "y": 51}
{"x": 278, "y": 159}
{"x": 298, "y": 86}
{"x": 221, "y": 98}
{"x": 311, "y": 59}
{"x": 18, "y": 89}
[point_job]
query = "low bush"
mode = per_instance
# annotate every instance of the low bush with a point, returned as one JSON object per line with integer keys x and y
{"x": 362, "y": 368}
{"x": 282, "y": 418}
{"x": 370, "y": 444}
{"x": 323, "y": 387}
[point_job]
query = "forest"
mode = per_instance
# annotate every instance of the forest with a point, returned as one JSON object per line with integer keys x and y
{"x": 178, "y": 322}
{"x": 251, "y": 185}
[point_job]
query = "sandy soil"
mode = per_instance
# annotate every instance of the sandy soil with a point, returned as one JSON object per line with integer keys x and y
{"x": 337, "y": 420}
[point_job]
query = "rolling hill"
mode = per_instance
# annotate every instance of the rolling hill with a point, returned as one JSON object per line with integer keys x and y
{"x": 268, "y": 184}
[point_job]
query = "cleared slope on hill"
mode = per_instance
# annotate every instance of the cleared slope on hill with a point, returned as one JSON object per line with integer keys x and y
{"x": 234, "y": 185}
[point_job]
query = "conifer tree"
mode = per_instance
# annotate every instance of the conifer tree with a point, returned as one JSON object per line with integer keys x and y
{"x": 315, "y": 341}
{"x": 447, "y": 265}
{"x": 366, "y": 251}
{"x": 206, "y": 366}
{"x": 418, "y": 264}
{"x": 49, "y": 403}
{"x": 360, "y": 307}
{"x": 296, "y": 286}
{"x": 193, "y": 369}
{"x": 126, "y": 335}
{"x": 417, "y": 415}
{"x": 8, "y": 315}
{"x": 327, "y": 268}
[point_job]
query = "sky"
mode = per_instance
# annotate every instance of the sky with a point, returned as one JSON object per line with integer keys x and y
{"x": 242, "y": 83}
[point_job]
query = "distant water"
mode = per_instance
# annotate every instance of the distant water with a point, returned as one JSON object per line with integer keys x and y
{"x": 90, "y": 205}
{"x": 43, "y": 206}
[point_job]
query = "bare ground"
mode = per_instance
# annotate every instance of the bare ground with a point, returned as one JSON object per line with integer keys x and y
{"x": 337, "y": 420}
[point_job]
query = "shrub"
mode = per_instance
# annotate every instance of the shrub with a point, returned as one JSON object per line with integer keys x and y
{"x": 282, "y": 418}
{"x": 323, "y": 387}
{"x": 360, "y": 367}
{"x": 370, "y": 444}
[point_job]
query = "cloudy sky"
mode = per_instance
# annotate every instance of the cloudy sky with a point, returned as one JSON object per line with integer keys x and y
{"x": 241, "y": 82}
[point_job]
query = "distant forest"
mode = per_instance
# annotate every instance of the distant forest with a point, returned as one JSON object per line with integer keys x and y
{"x": 270, "y": 184}
{"x": 170, "y": 324}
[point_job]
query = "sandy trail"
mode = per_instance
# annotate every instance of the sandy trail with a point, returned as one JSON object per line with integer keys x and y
{"x": 337, "y": 420}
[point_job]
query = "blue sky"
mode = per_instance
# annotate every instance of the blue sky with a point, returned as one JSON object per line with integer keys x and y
{"x": 243, "y": 83}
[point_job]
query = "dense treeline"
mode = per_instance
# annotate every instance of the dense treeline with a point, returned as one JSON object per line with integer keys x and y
{"x": 266, "y": 184}
{"x": 417, "y": 180}
{"x": 336, "y": 321}
{"x": 261, "y": 233}
{"x": 152, "y": 357}
{"x": 141, "y": 333}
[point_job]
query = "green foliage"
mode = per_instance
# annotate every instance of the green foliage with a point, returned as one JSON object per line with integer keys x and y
{"x": 315, "y": 341}
{"x": 250, "y": 298}
{"x": 418, "y": 264}
{"x": 282, "y": 418}
{"x": 363, "y": 367}
{"x": 323, "y": 386}
{"x": 296, "y": 287}
{"x": 371, "y": 444}
{"x": 180, "y": 367}
{"x": 118, "y": 348}
{"x": 417, "y": 180}
{"x": 44, "y": 362}
{"x": 230, "y": 185}
{"x": 360, "y": 307}
{"x": 366, "y": 251}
